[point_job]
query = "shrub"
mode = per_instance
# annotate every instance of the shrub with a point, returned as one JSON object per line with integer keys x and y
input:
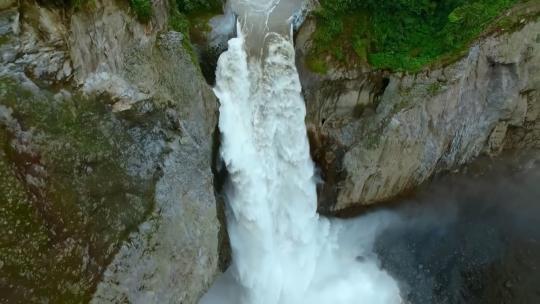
{"x": 401, "y": 34}
{"x": 192, "y": 6}
{"x": 178, "y": 22}
{"x": 143, "y": 9}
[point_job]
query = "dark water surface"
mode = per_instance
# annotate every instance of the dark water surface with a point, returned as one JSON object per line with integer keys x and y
{"x": 468, "y": 240}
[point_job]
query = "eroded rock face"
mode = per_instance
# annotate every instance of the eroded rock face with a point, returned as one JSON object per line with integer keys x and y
{"x": 173, "y": 257}
{"x": 106, "y": 132}
{"x": 75, "y": 180}
{"x": 377, "y": 134}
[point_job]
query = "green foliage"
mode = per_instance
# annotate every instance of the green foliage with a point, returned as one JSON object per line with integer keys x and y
{"x": 193, "y": 6}
{"x": 192, "y": 16}
{"x": 434, "y": 88}
{"x": 178, "y": 22}
{"x": 316, "y": 64}
{"x": 143, "y": 9}
{"x": 401, "y": 34}
{"x": 75, "y": 4}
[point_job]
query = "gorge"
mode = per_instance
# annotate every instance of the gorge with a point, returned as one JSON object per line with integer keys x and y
{"x": 117, "y": 186}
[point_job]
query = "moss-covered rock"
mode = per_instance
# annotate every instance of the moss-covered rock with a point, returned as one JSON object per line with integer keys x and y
{"x": 80, "y": 179}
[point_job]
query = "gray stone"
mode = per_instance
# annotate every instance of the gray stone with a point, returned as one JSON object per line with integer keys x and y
{"x": 406, "y": 128}
{"x": 171, "y": 252}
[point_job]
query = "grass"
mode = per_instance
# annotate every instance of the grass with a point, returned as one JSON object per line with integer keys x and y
{"x": 400, "y": 35}
{"x": 191, "y": 7}
{"x": 434, "y": 88}
{"x": 191, "y": 17}
{"x": 143, "y": 9}
{"x": 316, "y": 64}
{"x": 178, "y": 22}
{"x": 517, "y": 18}
{"x": 199, "y": 24}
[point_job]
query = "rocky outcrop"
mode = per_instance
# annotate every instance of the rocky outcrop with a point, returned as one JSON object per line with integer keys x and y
{"x": 174, "y": 255}
{"x": 106, "y": 133}
{"x": 377, "y": 134}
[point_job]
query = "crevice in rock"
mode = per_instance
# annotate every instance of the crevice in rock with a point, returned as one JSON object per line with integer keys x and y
{"x": 208, "y": 58}
{"x": 221, "y": 175}
{"x": 379, "y": 87}
{"x": 208, "y": 55}
{"x": 328, "y": 158}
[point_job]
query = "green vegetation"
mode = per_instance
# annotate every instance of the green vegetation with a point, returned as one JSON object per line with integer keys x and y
{"x": 189, "y": 17}
{"x": 76, "y": 4}
{"x": 316, "y": 64}
{"x": 197, "y": 6}
{"x": 401, "y": 35}
{"x": 192, "y": 16}
{"x": 178, "y": 21}
{"x": 183, "y": 10}
{"x": 434, "y": 88}
{"x": 143, "y": 9}
{"x": 67, "y": 191}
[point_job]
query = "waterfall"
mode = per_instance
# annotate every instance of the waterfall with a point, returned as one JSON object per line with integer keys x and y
{"x": 283, "y": 251}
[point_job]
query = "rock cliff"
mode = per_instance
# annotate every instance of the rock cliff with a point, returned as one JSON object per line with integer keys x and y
{"x": 107, "y": 129}
{"x": 106, "y": 132}
{"x": 377, "y": 134}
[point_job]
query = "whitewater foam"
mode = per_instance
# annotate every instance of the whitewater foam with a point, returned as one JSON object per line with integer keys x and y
{"x": 283, "y": 252}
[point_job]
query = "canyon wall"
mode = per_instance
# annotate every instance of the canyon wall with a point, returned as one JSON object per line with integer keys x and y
{"x": 108, "y": 133}
{"x": 107, "y": 130}
{"x": 376, "y": 134}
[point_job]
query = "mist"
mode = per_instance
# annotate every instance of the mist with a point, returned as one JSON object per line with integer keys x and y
{"x": 467, "y": 240}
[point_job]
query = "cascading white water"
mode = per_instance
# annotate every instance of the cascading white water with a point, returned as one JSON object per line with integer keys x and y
{"x": 273, "y": 224}
{"x": 283, "y": 252}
